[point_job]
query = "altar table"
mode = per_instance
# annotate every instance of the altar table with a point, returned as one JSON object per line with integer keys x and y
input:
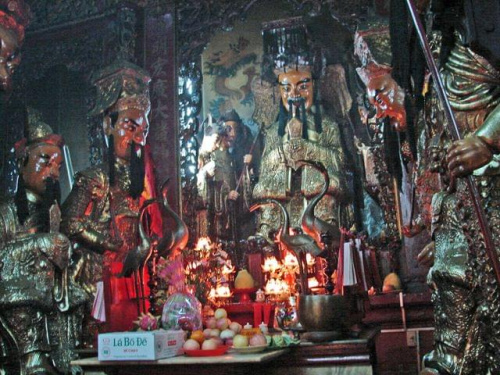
{"x": 353, "y": 356}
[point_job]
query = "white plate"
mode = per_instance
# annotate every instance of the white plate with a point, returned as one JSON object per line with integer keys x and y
{"x": 249, "y": 349}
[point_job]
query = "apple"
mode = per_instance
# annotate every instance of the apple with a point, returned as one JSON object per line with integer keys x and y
{"x": 235, "y": 327}
{"x": 209, "y": 344}
{"x": 258, "y": 340}
{"x": 218, "y": 340}
{"x": 215, "y": 332}
{"x": 211, "y": 322}
{"x": 227, "y": 334}
{"x": 220, "y": 313}
{"x": 191, "y": 344}
{"x": 240, "y": 341}
{"x": 222, "y": 323}
{"x": 207, "y": 332}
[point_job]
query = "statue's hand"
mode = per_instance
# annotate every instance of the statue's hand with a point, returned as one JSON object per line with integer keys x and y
{"x": 56, "y": 247}
{"x": 413, "y": 230}
{"x": 467, "y": 155}
{"x": 295, "y": 149}
{"x": 247, "y": 159}
{"x": 61, "y": 242}
{"x": 233, "y": 195}
{"x": 209, "y": 168}
{"x": 111, "y": 245}
{"x": 426, "y": 256}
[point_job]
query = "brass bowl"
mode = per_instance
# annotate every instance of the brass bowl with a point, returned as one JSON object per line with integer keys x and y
{"x": 323, "y": 313}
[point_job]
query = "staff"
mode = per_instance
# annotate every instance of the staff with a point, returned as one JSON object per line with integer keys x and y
{"x": 455, "y": 135}
{"x": 249, "y": 152}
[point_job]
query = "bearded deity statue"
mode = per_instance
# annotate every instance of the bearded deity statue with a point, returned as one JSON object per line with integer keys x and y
{"x": 301, "y": 132}
{"x": 40, "y": 308}
{"x": 101, "y": 214}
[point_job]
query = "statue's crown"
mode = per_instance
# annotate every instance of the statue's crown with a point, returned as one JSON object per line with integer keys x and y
{"x": 121, "y": 86}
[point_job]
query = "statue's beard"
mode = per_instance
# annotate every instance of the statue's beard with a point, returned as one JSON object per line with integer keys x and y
{"x": 300, "y": 107}
{"x": 285, "y": 116}
{"x": 52, "y": 194}
{"x": 137, "y": 169}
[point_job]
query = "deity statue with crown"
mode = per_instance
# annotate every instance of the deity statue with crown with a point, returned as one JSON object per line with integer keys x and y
{"x": 101, "y": 214}
{"x": 40, "y": 307}
{"x": 301, "y": 132}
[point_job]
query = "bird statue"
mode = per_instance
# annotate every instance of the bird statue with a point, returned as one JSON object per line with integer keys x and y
{"x": 176, "y": 239}
{"x": 139, "y": 255}
{"x": 298, "y": 244}
{"x": 312, "y": 225}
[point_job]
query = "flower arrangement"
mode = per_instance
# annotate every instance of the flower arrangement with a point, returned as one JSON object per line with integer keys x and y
{"x": 146, "y": 322}
{"x": 202, "y": 270}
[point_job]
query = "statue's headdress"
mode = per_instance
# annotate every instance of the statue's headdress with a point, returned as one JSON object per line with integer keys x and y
{"x": 15, "y": 15}
{"x": 231, "y": 115}
{"x": 121, "y": 86}
{"x": 371, "y": 71}
{"x": 286, "y": 46}
{"x": 37, "y": 132}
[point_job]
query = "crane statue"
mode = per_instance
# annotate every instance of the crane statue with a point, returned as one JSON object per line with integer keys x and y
{"x": 298, "y": 244}
{"x": 176, "y": 239}
{"x": 171, "y": 242}
{"x": 311, "y": 224}
{"x": 139, "y": 255}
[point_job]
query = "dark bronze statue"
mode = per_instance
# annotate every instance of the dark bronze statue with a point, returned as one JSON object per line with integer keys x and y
{"x": 464, "y": 285}
{"x": 41, "y": 308}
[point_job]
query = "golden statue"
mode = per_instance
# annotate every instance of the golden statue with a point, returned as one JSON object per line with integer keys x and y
{"x": 301, "y": 133}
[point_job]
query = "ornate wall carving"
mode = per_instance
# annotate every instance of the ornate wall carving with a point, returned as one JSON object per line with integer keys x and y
{"x": 49, "y": 13}
{"x": 160, "y": 62}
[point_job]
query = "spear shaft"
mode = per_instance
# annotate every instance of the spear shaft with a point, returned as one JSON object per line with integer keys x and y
{"x": 455, "y": 135}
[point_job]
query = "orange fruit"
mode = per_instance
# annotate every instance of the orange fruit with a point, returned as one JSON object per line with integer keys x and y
{"x": 198, "y": 336}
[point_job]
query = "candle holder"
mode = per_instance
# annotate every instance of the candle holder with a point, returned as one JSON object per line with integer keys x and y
{"x": 244, "y": 294}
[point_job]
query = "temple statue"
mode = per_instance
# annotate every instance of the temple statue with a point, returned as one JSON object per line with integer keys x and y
{"x": 14, "y": 18}
{"x": 41, "y": 309}
{"x": 465, "y": 289}
{"x": 462, "y": 276}
{"x": 101, "y": 214}
{"x": 300, "y": 133}
{"x": 227, "y": 170}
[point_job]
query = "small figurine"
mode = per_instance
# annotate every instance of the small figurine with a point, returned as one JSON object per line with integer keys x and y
{"x": 260, "y": 296}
